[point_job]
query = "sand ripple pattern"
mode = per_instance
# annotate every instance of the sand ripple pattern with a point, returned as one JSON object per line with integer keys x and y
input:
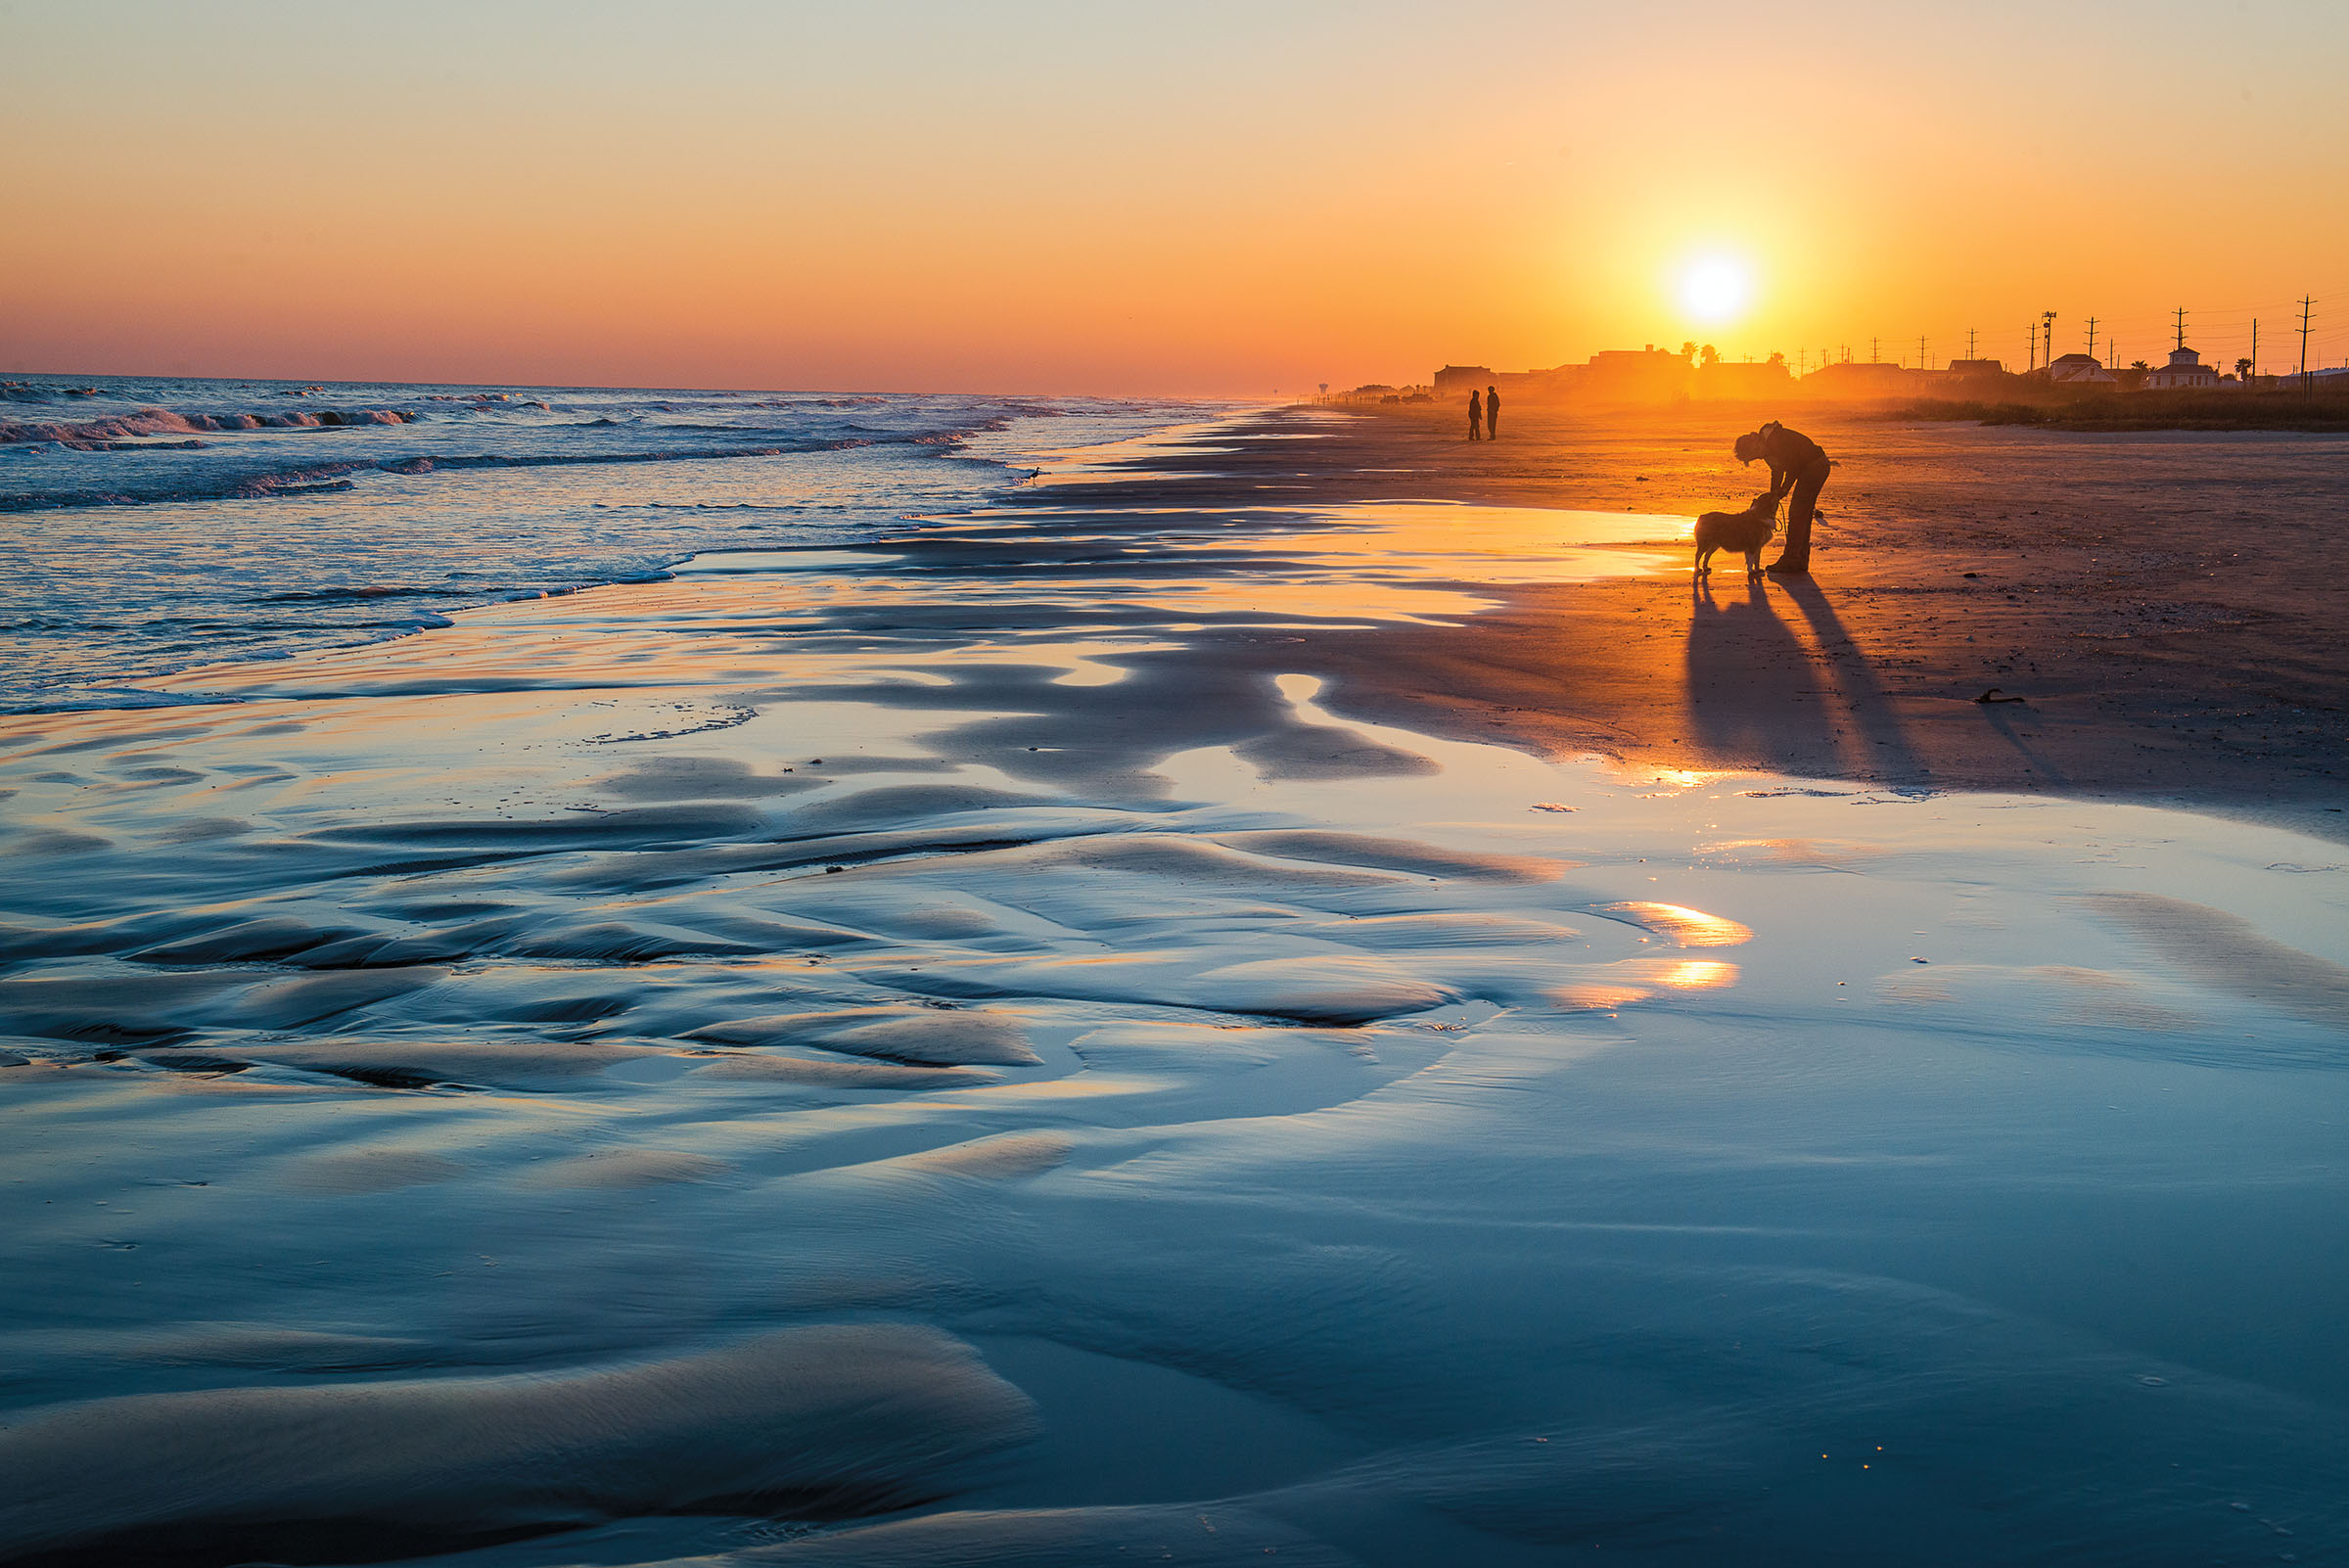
{"x": 830, "y": 1065}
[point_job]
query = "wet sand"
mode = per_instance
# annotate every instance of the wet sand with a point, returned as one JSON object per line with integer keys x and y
{"x": 2163, "y": 603}
{"x": 975, "y": 1049}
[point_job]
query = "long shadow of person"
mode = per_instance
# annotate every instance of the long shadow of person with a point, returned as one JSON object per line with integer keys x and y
{"x": 1883, "y": 748}
{"x": 1751, "y": 698}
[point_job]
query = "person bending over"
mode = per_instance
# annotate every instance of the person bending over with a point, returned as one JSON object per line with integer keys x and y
{"x": 1799, "y": 466}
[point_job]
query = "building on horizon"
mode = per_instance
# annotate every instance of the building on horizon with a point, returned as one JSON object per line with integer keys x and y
{"x": 1459, "y": 381}
{"x": 1650, "y": 374}
{"x": 2184, "y": 370}
{"x": 1514, "y": 385}
{"x": 1643, "y": 375}
{"x": 2080, "y": 370}
{"x": 1379, "y": 392}
{"x": 1862, "y": 379}
{"x": 1743, "y": 381}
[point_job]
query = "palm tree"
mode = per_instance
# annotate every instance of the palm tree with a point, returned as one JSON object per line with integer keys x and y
{"x": 2242, "y": 371}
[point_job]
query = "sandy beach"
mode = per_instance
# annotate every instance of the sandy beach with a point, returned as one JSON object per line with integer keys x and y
{"x": 2159, "y": 601}
{"x": 1283, "y": 988}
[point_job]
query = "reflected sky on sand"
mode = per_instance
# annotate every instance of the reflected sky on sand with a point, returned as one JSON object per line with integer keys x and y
{"x": 953, "y": 1051}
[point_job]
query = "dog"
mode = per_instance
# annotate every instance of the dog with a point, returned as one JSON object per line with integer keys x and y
{"x": 1747, "y": 530}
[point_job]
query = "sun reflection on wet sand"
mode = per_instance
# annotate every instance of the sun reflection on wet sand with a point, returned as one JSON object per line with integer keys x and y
{"x": 722, "y": 614}
{"x": 1128, "y": 460}
{"x": 1690, "y": 928}
{"x": 1696, "y": 974}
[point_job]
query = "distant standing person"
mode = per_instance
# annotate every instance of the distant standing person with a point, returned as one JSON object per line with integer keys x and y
{"x": 1797, "y": 464}
{"x": 1476, "y": 415}
{"x": 1492, "y": 414}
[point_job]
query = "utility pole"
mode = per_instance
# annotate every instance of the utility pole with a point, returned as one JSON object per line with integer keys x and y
{"x": 2048, "y": 339}
{"x": 2181, "y": 326}
{"x": 1875, "y": 352}
{"x": 2255, "y": 349}
{"x": 1969, "y": 343}
{"x": 2306, "y": 385}
{"x": 1920, "y": 351}
{"x": 2034, "y": 364}
{"x": 2092, "y": 337}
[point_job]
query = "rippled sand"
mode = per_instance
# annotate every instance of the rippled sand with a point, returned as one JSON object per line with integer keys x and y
{"x": 912, "y": 1055}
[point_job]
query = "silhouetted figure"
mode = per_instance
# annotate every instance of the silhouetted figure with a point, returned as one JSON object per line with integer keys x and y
{"x": 1797, "y": 465}
{"x": 1492, "y": 415}
{"x": 1476, "y": 415}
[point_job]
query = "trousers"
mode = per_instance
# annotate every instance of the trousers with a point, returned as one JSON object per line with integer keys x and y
{"x": 1802, "y": 501}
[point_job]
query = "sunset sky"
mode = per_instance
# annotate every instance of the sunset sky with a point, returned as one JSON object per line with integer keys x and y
{"x": 1173, "y": 198}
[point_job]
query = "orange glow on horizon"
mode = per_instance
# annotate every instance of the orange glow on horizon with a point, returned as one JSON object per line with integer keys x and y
{"x": 1029, "y": 198}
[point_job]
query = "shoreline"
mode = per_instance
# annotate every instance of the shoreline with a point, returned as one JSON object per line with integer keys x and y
{"x": 1864, "y": 673}
{"x": 370, "y": 510}
{"x": 976, "y": 1001}
{"x": 2164, "y": 655}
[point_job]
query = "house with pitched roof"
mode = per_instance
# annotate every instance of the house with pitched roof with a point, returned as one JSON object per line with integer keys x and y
{"x": 2185, "y": 369}
{"x": 2080, "y": 370}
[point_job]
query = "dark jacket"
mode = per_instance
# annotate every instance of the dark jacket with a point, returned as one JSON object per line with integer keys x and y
{"x": 1791, "y": 455}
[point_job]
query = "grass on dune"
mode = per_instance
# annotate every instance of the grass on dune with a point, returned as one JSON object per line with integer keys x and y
{"x": 2293, "y": 410}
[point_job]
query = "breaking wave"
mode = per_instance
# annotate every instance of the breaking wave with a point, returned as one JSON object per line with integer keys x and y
{"x": 318, "y": 478}
{"x": 81, "y": 433}
{"x": 429, "y": 500}
{"x": 311, "y": 479}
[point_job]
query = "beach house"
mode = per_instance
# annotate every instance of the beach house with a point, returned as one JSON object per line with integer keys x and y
{"x": 2185, "y": 369}
{"x": 1459, "y": 381}
{"x": 2080, "y": 370}
{"x": 1857, "y": 380}
{"x": 1748, "y": 380}
{"x": 1644, "y": 375}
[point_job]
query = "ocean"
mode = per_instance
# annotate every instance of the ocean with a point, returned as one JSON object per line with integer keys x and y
{"x": 152, "y": 525}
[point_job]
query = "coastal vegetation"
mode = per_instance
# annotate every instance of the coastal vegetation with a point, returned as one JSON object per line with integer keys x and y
{"x": 2228, "y": 408}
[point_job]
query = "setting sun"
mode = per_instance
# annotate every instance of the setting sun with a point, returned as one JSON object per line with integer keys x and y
{"x": 1715, "y": 289}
